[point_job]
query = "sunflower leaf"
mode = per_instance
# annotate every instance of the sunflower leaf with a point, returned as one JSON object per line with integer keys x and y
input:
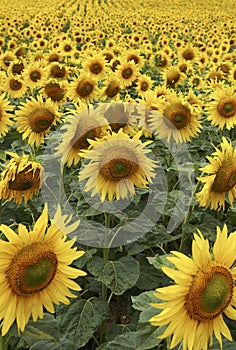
{"x": 121, "y": 275}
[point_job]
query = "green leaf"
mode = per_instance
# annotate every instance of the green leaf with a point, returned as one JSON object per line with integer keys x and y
{"x": 79, "y": 320}
{"x": 143, "y": 300}
{"x": 121, "y": 275}
{"x": 143, "y": 339}
{"x": 159, "y": 261}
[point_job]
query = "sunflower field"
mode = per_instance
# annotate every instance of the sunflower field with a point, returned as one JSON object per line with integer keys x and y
{"x": 117, "y": 175}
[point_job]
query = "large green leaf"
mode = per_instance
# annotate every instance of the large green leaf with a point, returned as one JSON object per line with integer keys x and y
{"x": 79, "y": 320}
{"x": 119, "y": 275}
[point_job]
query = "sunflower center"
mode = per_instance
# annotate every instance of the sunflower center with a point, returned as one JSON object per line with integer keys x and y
{"x": 58, "y": 72}
{"x": 188, "y": 54}
{"x": 41, "y": 119}
{"x": 119, "y": 164}
{"x": 81, "y": 140}
{"x": 96, "y": 68}
{"x": 144, "y": 86}
{"x": 32, "y": 269}
{"x": 225, "y": 178}
{"x": 178, "y": 114}
{"x": 172, "y": 78}
{"x": 112, "y": 90}
{"x": 210, "y": 292}
{"x": 117, "y": 117}
{"x": 84, "y": 88}
{"x": 54, "y": 91}
{"x": 25, "y": 179}
{"x": 15, "y": 84}
{"x": 127, "y": 73}
{"x": 35, "y": 75}
{"x": 227, "y": 107}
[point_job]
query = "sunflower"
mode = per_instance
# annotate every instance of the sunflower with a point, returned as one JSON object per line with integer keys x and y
{"x": 203, "y": 291}
{"x": 144, "y": 84}
{"x": 95, "y": 65}
{"x": 58, "y": 71}
{"x": 175, "y": 119}
{"x": 55, "y": 91}
{"x": 5, "y": 116}
{"x": 35, "y": 118}
{"x": 126, "y": 73}
{"x": 86, "y": 123}
{"x": 172, "y": 76}
{"x": 35, "y": 74}
{"x": 120, "y": 115}
{"x": 21, "y": 179}
{"x": 111, "y": 89}
{"x": 83, "y": 88}
{"x": 222, "y": 108}
{"x": 117, "y": 164}
{"x": 221, "y": 178}
{"x": 14, "y": 86}
{"x": 35, "y": 271}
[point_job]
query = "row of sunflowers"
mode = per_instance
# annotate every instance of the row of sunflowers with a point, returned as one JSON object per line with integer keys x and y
{"x": 117, "y": 175}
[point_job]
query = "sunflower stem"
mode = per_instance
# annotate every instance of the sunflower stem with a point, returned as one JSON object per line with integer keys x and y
{"x": 186, "y": 221}
{"x": 3, "y": 343}
{"x": 105, "y": 259}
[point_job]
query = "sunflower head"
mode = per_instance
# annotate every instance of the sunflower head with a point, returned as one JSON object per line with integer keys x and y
{"x": 178, "y": 114}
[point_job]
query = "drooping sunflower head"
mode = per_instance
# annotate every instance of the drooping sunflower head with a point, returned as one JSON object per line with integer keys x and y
{"x": 35, "y": 118}
{"x": 203, "y": 291}
{"x": 119, "y": 116}
{"x": 21, "y": 179}
{"x": 55, "y": 91}
{"x": 118, "y": 165}
{"x": 86, "y": 124}
{"x": 36, "y": 272}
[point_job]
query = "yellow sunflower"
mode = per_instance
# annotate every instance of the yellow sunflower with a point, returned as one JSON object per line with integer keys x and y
{"x": 14, "y": 86}
{"x": 35, "y": 74}
{"x": 21, "y": 178}
{"x": 126, "y": 73}
{"x": 111, "y": 89}
{"x": 175, "y": 119}
{"x": 117, "y": 165}
{"x": 35, "y": 118}
{"x": 144, "y": 84}
{"x": 35, "y": 271}
{"x": 5, "y": 116}
{"x": 221, "y": 178}
{"x": 83, "y": 88}
{"x": 95, "y": 65}
{"x": 222, "y": 108}
{"x": 172, "y": 76}
{"x": 86, "y": 123}
{"x": 203, "y": 290}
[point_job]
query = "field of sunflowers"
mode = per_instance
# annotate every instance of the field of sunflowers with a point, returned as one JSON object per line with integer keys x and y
{"x": 117, "y": 175}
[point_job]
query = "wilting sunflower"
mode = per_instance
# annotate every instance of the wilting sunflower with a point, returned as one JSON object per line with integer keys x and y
{"x": 117, "y": 165}
{"x": 221, "y": 178}
{"x": 21, "y": 178}
{"x": 83, "y": 88}
{"x": 35, "y": 271}
{"x": 86, "y": 123}
{"x": 175, "y": 119}
{"x": 222, "y": 108}
{"x": 5, "y": 116}
{"x": 120, "y": 115}
{"x": 35, "y": 118}
{"x": 203, "y": 291}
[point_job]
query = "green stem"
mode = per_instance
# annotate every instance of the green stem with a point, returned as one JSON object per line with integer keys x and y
{"x": 3, "y": 343}
{"x": 105, "y": 259}
{"x": 187, "y": 219}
